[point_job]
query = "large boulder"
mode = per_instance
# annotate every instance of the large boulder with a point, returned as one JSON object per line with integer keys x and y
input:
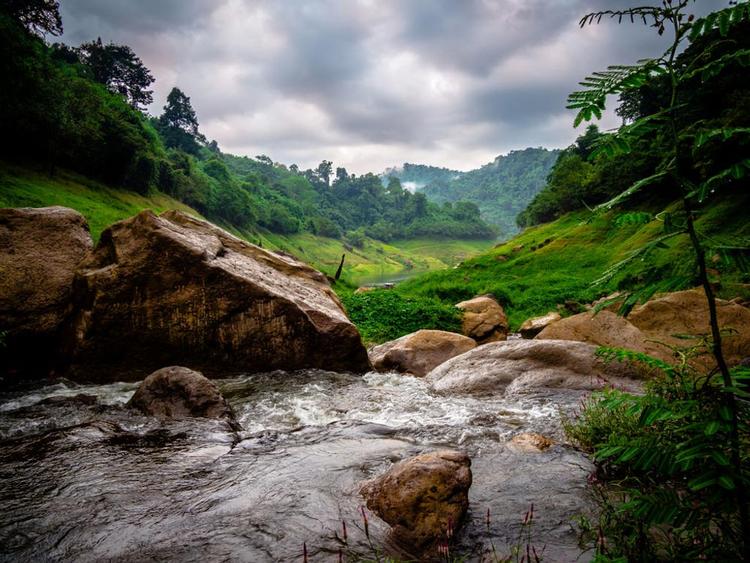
{"x": 658, "y": 325}
{"x": 161, "y": 290}
{"x": 178, "y": 392}
{"x": 604, "y": 328}
{"x": 483, "y": 319}
{"x": 531, "y": 327}
{"x": 39, "y": 252}
{"x": 518, "y": 366}
{"x": 686, "y": 313}
{"x": 419, "y": 352}
{"x": 421, "y": 497}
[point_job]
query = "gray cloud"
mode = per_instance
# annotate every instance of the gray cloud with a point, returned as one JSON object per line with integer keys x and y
{"x": 370, "y": 83}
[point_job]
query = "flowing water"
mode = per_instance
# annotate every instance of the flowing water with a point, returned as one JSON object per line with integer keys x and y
{"x": 86, "y": 479}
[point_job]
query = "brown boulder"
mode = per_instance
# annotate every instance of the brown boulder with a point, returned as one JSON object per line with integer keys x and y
{"x": 419, "y": 352}
{"x": 39, "y": 252}
{"x": 603, "y": 329}
{"x": 519, "y": 366}
{"x": 159, "y": 290}
{"x": 421, "y": 497}
{"x": 686, "y": 313}
{"x": 483, "y": 319}
{"x": 652, "y": 327}
{"x": 531, "y": 327}
{"x": 178, "y": 392}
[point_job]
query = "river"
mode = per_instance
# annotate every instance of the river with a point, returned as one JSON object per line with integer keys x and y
{"x": 86, "y": 479}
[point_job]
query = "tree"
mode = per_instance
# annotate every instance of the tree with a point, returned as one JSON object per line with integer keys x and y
{"x": 179, "y": 124}
{"x": 120, "y": 70}
{"x": 685, "y": 166}
{"x": 38, "y": 16}
{"x": 324, "y": 171}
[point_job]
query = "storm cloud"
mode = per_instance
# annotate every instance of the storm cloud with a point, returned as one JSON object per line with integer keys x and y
{"x": 371, "y": 83}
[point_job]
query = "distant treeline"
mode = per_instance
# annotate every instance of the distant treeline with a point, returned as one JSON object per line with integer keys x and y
{"x": 82, "y": 108}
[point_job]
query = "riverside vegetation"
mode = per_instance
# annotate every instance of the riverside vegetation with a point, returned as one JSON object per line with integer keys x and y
{"x": 658, "y": 205}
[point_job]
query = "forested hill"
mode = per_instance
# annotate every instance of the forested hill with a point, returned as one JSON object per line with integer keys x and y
{"x": 416, "y": 176}
{"x": 82, "y": 109}
{"x": 501, "y": 189}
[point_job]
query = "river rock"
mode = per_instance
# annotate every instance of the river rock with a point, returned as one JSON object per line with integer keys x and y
{"x": 39, "y": 252}
{"x": 421, "y": 497}
{"x": 419, "y": 352}
{"x": 530, "y": 442}
{"x": 686, "y": 313}
{"x": 651, "y": 327}
{"x": 168, "y": 289}
{"x": 178, "y": 392}
{"x": 518, "y": 366}
{"x": 483, "y": 319}
{"x": 531, "y": 327}
{"x": 604, "y": 328}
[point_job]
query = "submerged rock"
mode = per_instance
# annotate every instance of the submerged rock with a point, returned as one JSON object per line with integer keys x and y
{"x": 168, "y": 289}
{"x": 531, "y": 327}
{"x": 178, "y": 392}
{"x": 40, "y": 250}
{"x": 483, "y": 319}
{"x": 422, "y": 497}
{"x": 419, "y": 352}
{"x": 529, "y": 365}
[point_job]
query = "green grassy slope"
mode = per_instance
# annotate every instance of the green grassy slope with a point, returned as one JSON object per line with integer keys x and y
{"x": 103, "y": 205}
{"x": 552, "y": 263}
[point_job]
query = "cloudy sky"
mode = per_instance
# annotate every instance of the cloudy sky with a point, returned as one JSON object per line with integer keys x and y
{"x": 370, "y": 83}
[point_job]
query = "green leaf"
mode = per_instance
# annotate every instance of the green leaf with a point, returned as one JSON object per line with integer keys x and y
{"x": 703, "y": 481}
{"x": 727, "y": 482}
{"x": 712, "y": 428}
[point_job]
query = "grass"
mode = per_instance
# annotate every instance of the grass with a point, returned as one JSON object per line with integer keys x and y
{"x": 100, "y": 204}
{"x": 550, "y": 264}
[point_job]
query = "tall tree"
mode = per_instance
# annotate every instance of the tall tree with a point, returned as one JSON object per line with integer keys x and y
{"x": 38, "y": 16}
{"x": 178, "y": 124}
{"x": 120, "y": 70}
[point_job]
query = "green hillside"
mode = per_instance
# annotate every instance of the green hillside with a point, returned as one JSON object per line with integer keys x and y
{"x": 554, "y": 263}
{"x": 501, "y": 189}
{"x": 103, "y": 205}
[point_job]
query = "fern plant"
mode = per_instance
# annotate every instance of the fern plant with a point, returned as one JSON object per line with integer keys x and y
{"x": 681, "y": 167}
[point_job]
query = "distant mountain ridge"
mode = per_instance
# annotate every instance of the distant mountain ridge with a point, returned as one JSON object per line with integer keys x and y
{"x": 501, "y": 189}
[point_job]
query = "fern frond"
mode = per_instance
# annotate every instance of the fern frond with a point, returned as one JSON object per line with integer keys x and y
{"x": 644, "y": 13}
{"x": 714, "y": 68}
{"x": 631, "y": 190}
{"x": 616, "y": 79}
{"x": 723, "y": 20}
{"x": 637, "y": 253}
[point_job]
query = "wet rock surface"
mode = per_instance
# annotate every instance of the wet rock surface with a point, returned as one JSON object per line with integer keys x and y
{"x": 523, "y": 366}
{"x": 422, "y": 498}
{"x": 114, "y": 484}
{"x": 170, "y": 289}
{"x": 419, "y": 352}
{"x": 483, "y": 319}
{"x": 40, "y": 249}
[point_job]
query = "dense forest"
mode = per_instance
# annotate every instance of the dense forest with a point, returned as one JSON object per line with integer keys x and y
{"x": 82, "y": 109}
{"x": 590, "y": 172}
{"x": 500, "y": 189}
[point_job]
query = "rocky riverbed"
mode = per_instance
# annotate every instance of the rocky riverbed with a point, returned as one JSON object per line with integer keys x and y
{"x": 87, "y": 479}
